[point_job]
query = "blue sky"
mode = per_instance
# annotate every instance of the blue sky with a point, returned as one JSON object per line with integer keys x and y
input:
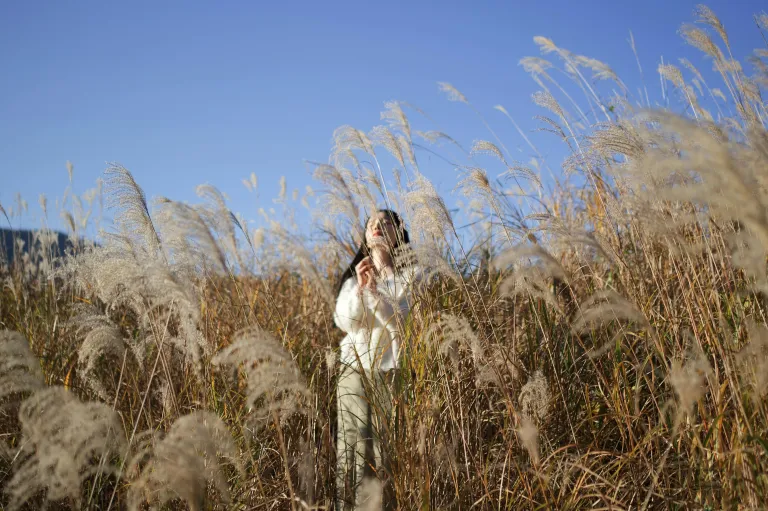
{"x": 184, "y": 93}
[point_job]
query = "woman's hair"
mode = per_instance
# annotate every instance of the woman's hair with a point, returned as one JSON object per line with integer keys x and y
{"x": 364, "y": 250}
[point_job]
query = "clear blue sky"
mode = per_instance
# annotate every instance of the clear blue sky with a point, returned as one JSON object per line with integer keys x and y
{"x": 184, "y": 93}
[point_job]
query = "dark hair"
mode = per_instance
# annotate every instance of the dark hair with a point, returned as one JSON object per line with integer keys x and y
{"x": 364, "y": 250}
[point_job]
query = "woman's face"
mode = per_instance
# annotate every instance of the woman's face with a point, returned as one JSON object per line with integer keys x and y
{"x": 381, "y": 230}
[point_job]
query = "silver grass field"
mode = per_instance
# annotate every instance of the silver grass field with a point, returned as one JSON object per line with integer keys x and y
{"x": 598, "y": 344}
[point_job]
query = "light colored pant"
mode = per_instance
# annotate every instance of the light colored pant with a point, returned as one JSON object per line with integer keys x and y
{"x": 364, "y": 406}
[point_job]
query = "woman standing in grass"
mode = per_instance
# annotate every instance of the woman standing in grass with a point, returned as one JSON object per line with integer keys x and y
{"x": 373, "y": 299}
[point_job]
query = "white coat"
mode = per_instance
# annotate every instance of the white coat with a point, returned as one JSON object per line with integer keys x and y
{"x": 373, "y": 321}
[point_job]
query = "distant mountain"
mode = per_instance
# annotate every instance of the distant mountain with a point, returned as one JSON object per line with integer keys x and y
{"x": 58, "y": 242}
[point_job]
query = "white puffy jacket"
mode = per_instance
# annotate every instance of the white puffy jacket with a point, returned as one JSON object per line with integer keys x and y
{"x": 373, "y": 321}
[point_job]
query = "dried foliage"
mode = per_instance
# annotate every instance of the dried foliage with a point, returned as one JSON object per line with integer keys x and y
{"x": 183, "y": 462}
{"x": 20, "y": 371}
{"x": 101, "y": 338}
{"x": 275, "y": 384}
{"x": 596, "y": 338}
{"x": 64, "y": 443}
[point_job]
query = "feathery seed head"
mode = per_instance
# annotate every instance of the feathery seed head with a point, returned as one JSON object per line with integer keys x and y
{"x": 43, "y": 201}
{"x": 485, "y": 147}
{"x": 600, "y": 70}
{"x": 606, "y": 306}
{"x": 341, "y": 195}
{"x": 132, "y": 215}
{"x": 434, "y": 137}
{"x": 456, "y": 333}
{"x": 546, "y": 100}
{"x": 406, "y": 148}
{"x": 762, "y": 20}
{"x": 189, "y": 235}
{"x": 752, "y": 360}
{"x": 687, "y": 379}
{"x": 475, "y": 182}
{"x": 699, "y": 39}
{"x": 452, "y": 92}
{"x": 534, "y": 398}
{"x": 19, "y": 368}
{"x": 69, "y": 220}
{"x": 65, "y": 442}
{"x": 545, "y": 44}
{"x": 102, "y": 339}
{"x": 428, "y": 212}
{"x": 528, "y": 434}
{"x": 673, "y": 74}
{"x": 535, "y": 65}
{"x": 705, "y": 15}
{"x": 271, "y": 372}
{"x": 533, "y": 266}
{"x": 688, "y": 65}
{"x": 346, "y": 140}
{"x": 382, "y": 136}
{"x": 396, "y": 118}
{"x": 183, "y": 463}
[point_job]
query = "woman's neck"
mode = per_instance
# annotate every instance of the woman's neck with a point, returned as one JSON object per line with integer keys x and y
{"x": 382, "y": 261}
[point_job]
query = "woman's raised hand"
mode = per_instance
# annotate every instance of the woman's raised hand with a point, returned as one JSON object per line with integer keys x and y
{"x": 365, "y": 271}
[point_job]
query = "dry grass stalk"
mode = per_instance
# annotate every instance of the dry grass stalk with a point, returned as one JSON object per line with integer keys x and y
{"x": 670, "y": 237}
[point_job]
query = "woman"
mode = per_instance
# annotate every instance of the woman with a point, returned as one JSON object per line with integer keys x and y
{"x": 372, "y": 303}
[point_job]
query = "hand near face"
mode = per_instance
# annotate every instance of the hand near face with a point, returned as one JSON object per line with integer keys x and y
{"x": 366, "y": 277}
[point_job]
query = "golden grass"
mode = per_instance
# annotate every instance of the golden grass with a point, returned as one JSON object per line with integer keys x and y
{"x": 618, "y": 350}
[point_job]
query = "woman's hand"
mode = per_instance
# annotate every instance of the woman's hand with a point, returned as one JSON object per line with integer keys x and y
{"x": 365, "y": 272}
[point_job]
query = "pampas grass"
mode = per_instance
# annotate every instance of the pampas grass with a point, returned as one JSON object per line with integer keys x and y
{"x": 183, "y": 462}
{"x": 274, "y": 382}
{"x": 19, "y": 368}
{"x": 598, "y": 341}
{"x": 64, "y": 443}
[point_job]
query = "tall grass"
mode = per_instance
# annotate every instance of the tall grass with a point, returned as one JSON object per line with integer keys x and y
{"x": 599, "y": 345}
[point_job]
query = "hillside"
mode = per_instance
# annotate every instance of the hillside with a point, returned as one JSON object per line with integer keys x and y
{"x": 58, "y": 244}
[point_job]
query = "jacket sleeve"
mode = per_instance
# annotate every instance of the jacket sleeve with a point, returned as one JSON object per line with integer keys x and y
{"x": 352, "y": 308}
